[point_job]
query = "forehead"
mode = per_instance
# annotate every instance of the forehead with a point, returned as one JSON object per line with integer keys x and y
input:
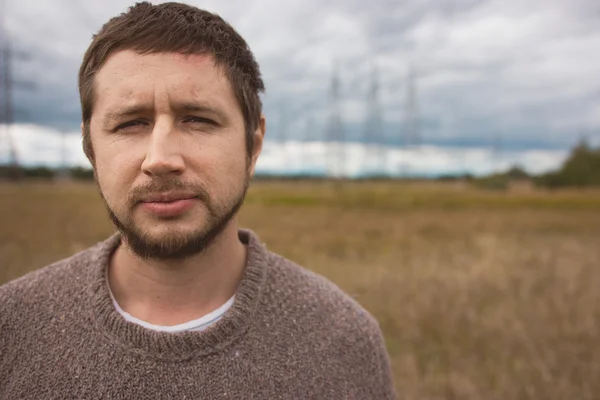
{"x": 128, "y": 77}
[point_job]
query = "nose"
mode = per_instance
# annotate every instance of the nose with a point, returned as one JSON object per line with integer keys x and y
{"x": 163, "y": 153}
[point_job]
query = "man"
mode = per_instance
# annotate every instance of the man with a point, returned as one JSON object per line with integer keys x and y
{"x": 180, "y": 303}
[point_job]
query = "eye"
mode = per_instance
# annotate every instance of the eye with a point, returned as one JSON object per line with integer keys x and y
{"x": 199, "y": 120}
{"x": 129, "y": 125}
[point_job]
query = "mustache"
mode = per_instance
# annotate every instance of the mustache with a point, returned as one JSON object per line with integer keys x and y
{"x": 158, "y": 186}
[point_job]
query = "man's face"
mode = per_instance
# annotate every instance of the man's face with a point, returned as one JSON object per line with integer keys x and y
{"x": 169, "y": 150}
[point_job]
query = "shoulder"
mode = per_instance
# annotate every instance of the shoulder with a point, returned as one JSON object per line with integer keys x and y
{"x": 292, "y": 289}
{"x": 43, "y": 288}
{"x": 342, "y": 334}
{"x": 30, "y": 305}
{"x": 43, "y": 279}
{"x": 23, "y": 299}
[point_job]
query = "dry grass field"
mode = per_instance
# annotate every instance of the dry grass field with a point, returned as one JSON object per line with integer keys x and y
{"x": 480, "y": 295}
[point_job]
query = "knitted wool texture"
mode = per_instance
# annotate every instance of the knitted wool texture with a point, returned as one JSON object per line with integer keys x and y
{"x": 290, "y": 334}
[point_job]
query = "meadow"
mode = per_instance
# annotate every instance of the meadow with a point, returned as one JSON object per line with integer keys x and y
{"x": 480, "y": 295}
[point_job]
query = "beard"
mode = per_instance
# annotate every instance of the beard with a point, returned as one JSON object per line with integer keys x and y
{"x": 175, "y": 245}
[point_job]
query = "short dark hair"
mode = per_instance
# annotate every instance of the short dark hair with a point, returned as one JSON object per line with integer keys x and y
{"x": 179, "y": 28}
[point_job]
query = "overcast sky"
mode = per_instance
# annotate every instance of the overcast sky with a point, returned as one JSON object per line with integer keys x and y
{"x": 521, "y": 74}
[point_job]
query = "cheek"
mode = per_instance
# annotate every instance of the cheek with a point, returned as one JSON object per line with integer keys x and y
{"x": 115, "y": 176}
{"x": 222, "y": 172}
{"x": 234, "y": 162}
{"x": 223, "y": 168}
{"x": 225, "y": 153}
{"x": 116, "y": 162}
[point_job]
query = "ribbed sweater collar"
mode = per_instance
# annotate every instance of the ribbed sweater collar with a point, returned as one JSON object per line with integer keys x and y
{"x": 184, "y": 345}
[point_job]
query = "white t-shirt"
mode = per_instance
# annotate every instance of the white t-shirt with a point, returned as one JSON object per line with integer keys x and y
{"x": 199, "y": 324}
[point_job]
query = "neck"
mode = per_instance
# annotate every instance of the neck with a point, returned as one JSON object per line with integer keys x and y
{"x": 173, "y": 292}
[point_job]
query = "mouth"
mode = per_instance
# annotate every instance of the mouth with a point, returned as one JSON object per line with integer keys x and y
{"x": 168, "y": 197}
{"x": 169, "y": 204}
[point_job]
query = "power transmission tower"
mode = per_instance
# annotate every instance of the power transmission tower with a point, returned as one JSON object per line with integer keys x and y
{"x": 309, "y": 133}
{"x": 6, "y": 108}
{"x": 413, "y": 133}
{"x": 64, "y": 173}
{"x": 497, "y": 150}
{"x": 374, "y": 133}
{"x": 283, "y": 137}
{"x": 335, "y": 134}
{"x": 7, "y": 83}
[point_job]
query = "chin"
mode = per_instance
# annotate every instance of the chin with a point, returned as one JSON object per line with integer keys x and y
{"x": 169, "y": 244}
{"x": 174, "y": 238}
{"x": 167, "y": 231}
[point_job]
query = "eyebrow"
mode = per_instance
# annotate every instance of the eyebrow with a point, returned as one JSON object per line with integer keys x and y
{"x": 201, "y": 107}
{"x": 121, "y": 113}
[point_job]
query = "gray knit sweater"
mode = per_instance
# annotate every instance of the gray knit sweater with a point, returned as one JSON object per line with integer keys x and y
{"x": 290, "y": 334}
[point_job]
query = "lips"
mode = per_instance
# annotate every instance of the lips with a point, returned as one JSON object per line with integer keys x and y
{"x": 169, "y": 204}
{"x": 167, "y": 197}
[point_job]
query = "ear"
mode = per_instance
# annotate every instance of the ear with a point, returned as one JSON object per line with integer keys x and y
{"x": 259, "y": 137}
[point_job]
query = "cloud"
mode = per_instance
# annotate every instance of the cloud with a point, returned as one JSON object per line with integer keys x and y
{"x": 525, "y": 71}
{"x": 355, "y": 160}
{"x": 38, "y": 145}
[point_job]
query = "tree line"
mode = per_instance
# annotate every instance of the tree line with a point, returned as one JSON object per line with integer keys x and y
{"x": 580, "y": 169}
